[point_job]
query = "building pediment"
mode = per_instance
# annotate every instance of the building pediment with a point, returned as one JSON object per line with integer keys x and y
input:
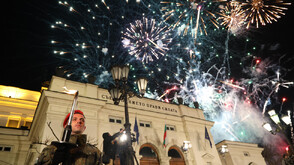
{"x": 208, "y": 156}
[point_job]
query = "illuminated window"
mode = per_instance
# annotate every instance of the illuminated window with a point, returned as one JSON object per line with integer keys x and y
{"x": 28, "y": 122}
{"x": 44, "y": 88}
{"x": 13, "y": 121}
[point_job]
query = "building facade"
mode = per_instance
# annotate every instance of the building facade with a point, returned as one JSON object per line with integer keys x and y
{"x": 232, "y": 153}
{"x": 17, "y": 109}
{"x": 183, "y": 124}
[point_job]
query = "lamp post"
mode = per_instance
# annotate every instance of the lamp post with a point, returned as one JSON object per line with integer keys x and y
{"x": 286, "y": 119}
{"x": 120, "y": 92}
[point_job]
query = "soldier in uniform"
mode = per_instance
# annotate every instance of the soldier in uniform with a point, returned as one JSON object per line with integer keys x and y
{"x": 82, "y": 154}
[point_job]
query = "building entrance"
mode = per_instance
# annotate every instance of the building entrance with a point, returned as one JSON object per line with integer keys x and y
{"x": 176, "y": 155}
{"x": 149, "y": 155}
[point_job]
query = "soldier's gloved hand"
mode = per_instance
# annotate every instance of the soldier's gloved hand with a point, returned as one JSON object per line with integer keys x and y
{"x": 59, "y": 155}
{"x": 46, "y": 156}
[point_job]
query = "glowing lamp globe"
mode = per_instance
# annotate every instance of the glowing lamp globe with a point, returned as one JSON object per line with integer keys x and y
{"x": 224, "y": 149}
{"x": 267, "y": 126}
{"x": 186, "y": 146}
{"x": 123, "y": 137}
{"x": 271, "y": 112}
{"x": 116, "y": 72}
{"x": 115, "y": 94}
{"x": 286, "y": 119}
{"x": 125, "y": 72}
{"x": 275, "y": 118}
{"x": 142, "y": 85}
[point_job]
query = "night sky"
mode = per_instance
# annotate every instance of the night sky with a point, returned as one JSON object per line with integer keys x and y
{"x": 29, "y": 61}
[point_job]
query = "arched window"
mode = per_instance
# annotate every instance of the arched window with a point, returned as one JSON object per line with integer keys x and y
{"x": 176, "y": 155}
{"x": 149, "y": 155}
{"x": 147, "y": 152}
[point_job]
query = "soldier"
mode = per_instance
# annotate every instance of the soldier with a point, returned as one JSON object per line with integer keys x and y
{"x": 110, "y": 147}
{"x": 82, "y": 154}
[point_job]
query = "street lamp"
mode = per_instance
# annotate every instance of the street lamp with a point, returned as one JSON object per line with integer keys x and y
{"x": 116, "y": 72}
{"x": 186, "y": 146}
{"x": 121, "y": 92}
{"x": 115, "y": 94}
{"x": 123, "y": 137}
{"x": 286, "y": 119}
{"x": 142, "y": 84}
{"x": 274, "y": 116}
{"x": 223, "y": 150}
{"x": 268, "y": 127}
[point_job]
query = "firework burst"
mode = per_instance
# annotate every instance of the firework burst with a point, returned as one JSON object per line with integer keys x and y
{"x": 232, "y": 16}
{"x": 188, "y": 15}
{"x": 89, "y": 37}
{"x": 146, "y": 40}
{"x": 263, "y": 11}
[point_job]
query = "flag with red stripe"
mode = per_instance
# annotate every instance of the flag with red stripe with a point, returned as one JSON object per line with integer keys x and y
{"x": 164, "y": 137}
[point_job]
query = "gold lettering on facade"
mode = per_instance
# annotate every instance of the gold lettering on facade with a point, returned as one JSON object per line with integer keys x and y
{"x": 138, "y": 103}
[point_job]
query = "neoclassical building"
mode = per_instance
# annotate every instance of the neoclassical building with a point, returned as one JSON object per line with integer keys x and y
{"x": 22, "y": 140}
{"x": 232, "y": 152}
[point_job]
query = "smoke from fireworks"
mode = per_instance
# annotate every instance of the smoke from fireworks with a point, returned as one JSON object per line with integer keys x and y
{"x": 91, "y": 37}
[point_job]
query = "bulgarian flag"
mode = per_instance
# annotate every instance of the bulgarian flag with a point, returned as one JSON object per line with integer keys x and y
{"x": 164, "y": 137}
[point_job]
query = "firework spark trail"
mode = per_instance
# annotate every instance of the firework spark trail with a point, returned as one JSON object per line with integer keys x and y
{"x": 89, "y": 45}
{"x": 147, "y": 39}
{"x": 81, "y": 49}
{"x": 86, "y": 39}
{"x": 201, "y": 88}
{"x": 197, "y": 23}
{"x": 263, "y": 11}
{"x": 187, "y": 15}
{"x": 235, "y": 106}
{"x": 214, "y": 98}
{"x": 226, "y": 126}
{"x": 233, "y": 21}
{"x": 277, "y": 83}
{"x": 226, "y": 54}
{"x": 168, "y": 91}
{"x": 232, "y": 85}
{"x": 232, "y": 17}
